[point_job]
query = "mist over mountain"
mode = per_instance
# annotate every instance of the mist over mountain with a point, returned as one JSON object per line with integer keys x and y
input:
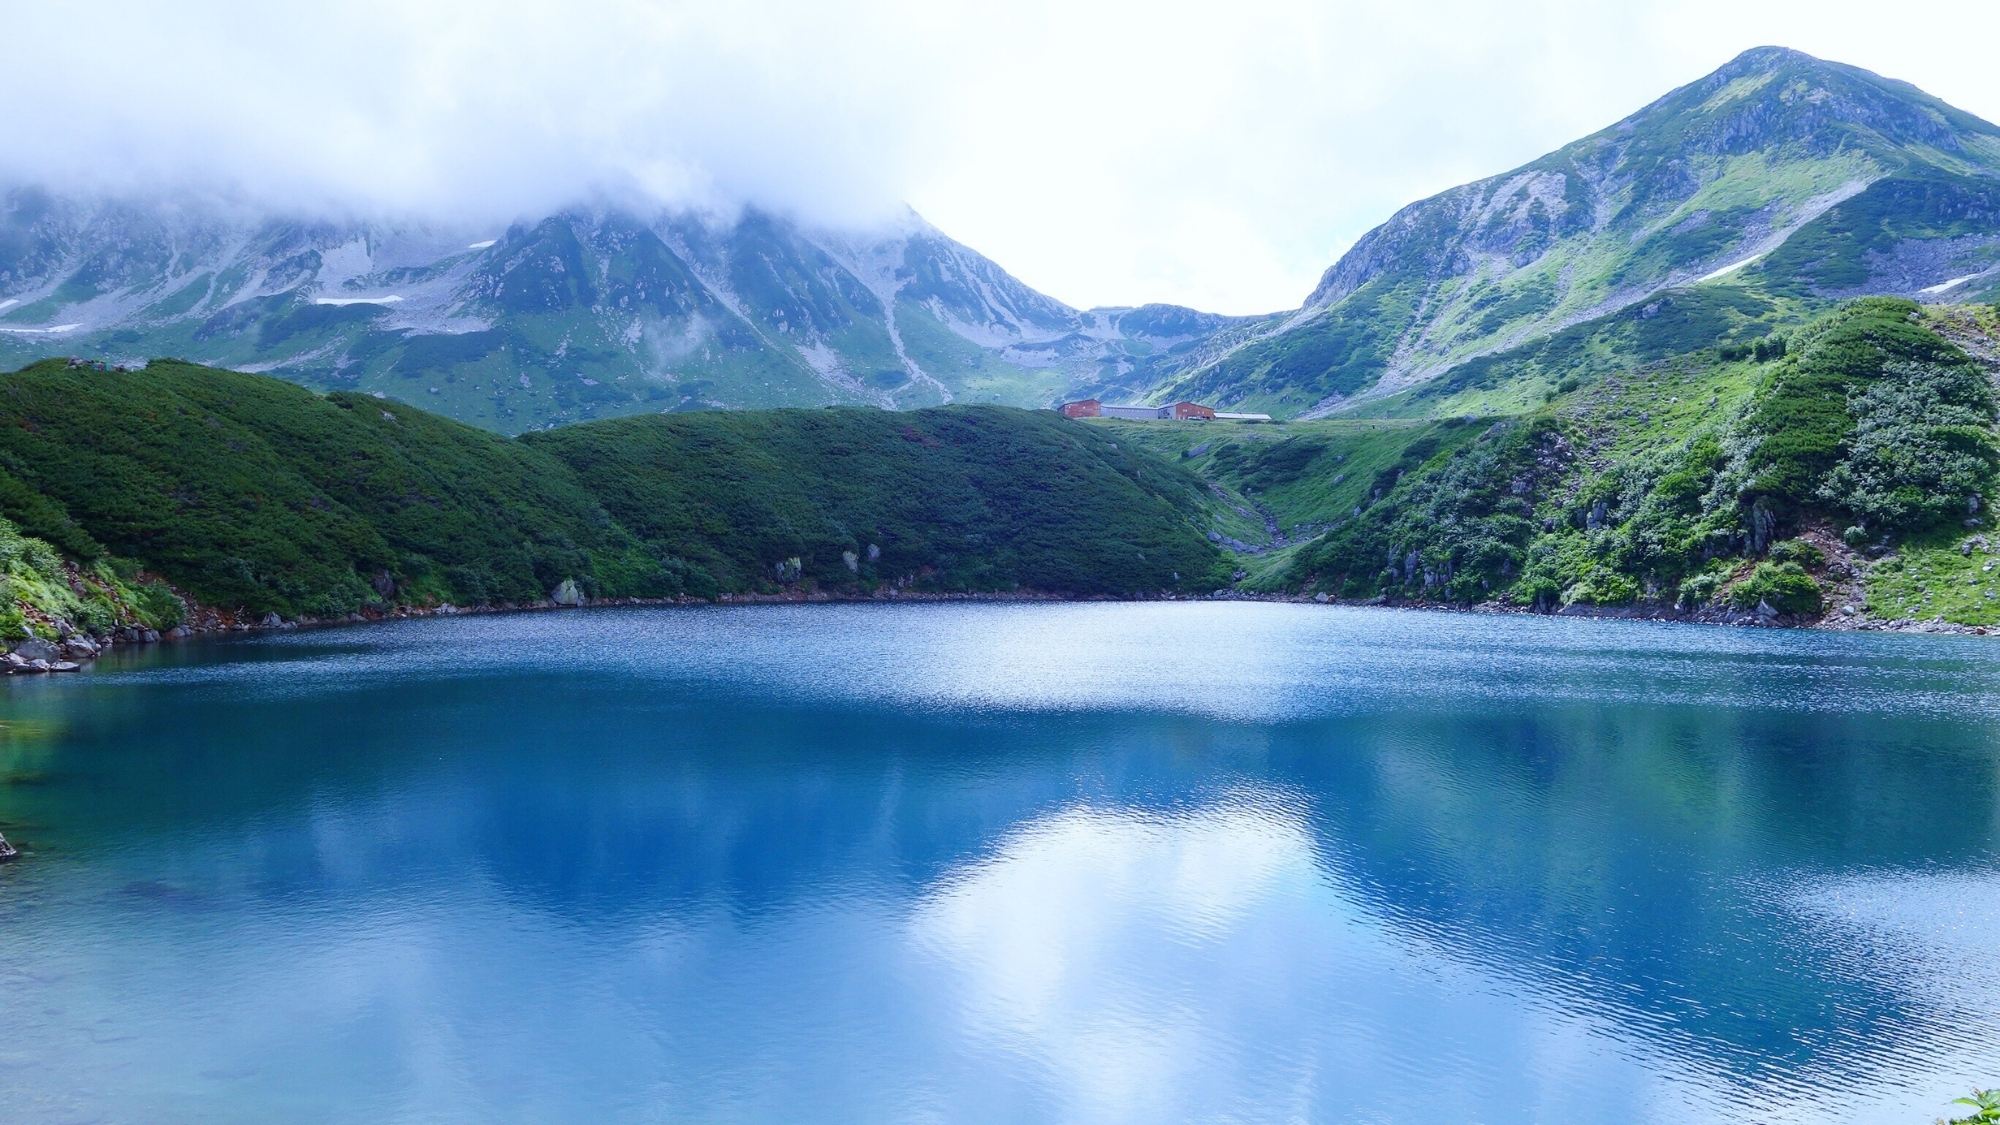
{"x": 587, "y": 312}
{"x": 1762, "y": 192}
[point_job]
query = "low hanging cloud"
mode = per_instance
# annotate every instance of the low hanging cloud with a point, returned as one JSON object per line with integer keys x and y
{"x": 462, "y": 109}
{"x": 1102, "y": 150}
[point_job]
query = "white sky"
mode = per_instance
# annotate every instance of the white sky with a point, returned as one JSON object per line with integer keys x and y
{"x": 1218, "y": 155}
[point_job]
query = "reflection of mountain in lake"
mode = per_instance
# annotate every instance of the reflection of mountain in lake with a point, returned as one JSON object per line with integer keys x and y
{"x": 753, "y": 859}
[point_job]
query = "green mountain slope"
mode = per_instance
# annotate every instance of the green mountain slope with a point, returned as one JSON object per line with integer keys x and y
{"x": 251, "y": 492}
{"x": 1795, "y": 178}
{"x": 1849, "y": 462}
{"x": 960, "y": 498}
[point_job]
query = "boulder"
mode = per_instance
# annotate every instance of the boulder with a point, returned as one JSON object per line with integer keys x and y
{"x": 567, "y": 594}
{"x": 35, "y": 648}
{"x": 271, "y": 621}
{"x": 64, "y": 666}
{"x": 7, "y": 851}
{"x": 37, "y": 665}
{"x": 79, "y": 648}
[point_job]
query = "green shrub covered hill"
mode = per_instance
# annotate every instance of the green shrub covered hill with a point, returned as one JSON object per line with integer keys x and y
{"x": 1839, "y": 465}
{"x": 245, "y": 492}
{"x": 1836, "y": 466}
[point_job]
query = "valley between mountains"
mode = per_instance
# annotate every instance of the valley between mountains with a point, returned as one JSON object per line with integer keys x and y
{"x": 1732, "y": 358}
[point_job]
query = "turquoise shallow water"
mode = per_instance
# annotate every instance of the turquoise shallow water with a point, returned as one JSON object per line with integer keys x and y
{"x": 1087, "y": 863}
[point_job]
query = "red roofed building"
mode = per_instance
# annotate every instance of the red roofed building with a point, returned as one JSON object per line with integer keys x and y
{"x": 1182, "y": 411}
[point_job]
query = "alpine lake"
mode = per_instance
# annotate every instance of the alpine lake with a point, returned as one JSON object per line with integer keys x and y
{"x": 1004, "y": 862}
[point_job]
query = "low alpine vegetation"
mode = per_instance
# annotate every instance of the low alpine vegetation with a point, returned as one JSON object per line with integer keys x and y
{"x": 253, "y": 493}
{"x": 1738, "y": 478}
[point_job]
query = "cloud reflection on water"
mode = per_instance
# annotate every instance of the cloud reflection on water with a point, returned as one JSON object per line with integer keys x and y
{"x": 1146, "y": 965}
{"x": 1096, "y": 862}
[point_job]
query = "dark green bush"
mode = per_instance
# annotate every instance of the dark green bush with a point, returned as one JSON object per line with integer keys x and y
{"x": 158, "y": 607}
{"x": 1798, "y": 551}
{"x": 1785, "y": 586}
{"x": 1698, "y": 590}
{"x": 1922, "y": 452}
{"x": 1802, "y": 422}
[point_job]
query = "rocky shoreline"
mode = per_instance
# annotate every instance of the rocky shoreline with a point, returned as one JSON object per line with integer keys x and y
{"x": 71, "y": 650}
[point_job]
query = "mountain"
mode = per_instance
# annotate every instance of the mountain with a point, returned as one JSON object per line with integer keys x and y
{"x": 1845, "y": 473}
{"x": 252, "y": 493}
{"x": 585, "y": 313}
{"x": 1780, "y": 176}
{"x": 1734, "y": 208}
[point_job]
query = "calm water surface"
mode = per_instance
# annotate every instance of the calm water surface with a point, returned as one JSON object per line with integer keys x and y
{"x": 1097, "y": 863}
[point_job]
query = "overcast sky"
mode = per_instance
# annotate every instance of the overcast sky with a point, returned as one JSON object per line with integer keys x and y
{"x": 1218, "y": 155}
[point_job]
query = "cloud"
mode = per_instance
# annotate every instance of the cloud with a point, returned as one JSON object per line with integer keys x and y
{"x": 1106, "y": 152}
{"x": 457, "y": 107}
{"x": 1223, "y": 155}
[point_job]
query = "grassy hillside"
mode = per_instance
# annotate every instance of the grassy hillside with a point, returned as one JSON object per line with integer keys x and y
{"x": 251, "y": 492}
{"x": 1710, "y": 465}
{"x": 1736, "y": 321}
{"x": 1717, "y": 452}
{"x": 977, "y": 497}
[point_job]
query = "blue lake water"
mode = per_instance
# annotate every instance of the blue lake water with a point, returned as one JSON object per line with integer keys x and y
{"x": 1010, "y": 863}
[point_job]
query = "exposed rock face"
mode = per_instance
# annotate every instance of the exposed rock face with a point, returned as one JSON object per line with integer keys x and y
{"x": 1814, "y": 177}
{"x": 755, "y": 312}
